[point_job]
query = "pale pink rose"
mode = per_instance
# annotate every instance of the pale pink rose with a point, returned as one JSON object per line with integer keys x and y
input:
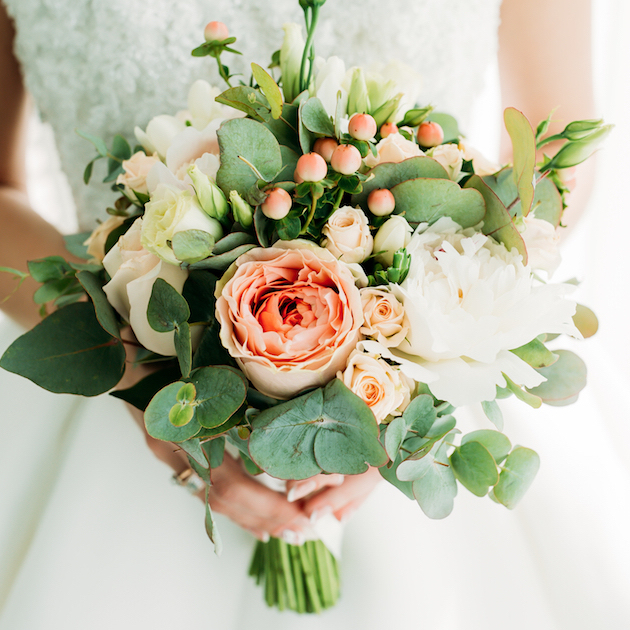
{"x": 542, "y": 242}
{"x": 384, "y": 317}
{"x": 482, "y": 165}
{"x": 384, "y": 388}
{"x": 98, "y": 239}
{"x": 133, "y": 271}
{"x": 451, "y": 158}
{"x": 136, "y": 168}
{"x": 394, "y": 148}
{"x": 348, "y": 237}
{"x": 290, "y": 315}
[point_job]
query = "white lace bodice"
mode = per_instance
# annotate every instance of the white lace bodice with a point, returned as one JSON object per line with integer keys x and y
{"x": 104, "y": 66}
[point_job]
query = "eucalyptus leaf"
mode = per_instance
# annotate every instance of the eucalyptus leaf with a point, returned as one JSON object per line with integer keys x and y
{"x": 199, "y": 294}
{"x": 120, "y": 150}
{"x": 68, "y": 353}
{"x": 140, "y": 394}
{"x": 289, "y": 163}
{"x": 497, "y": 443}
{"x": 104, "y": 312}
{"x": 53, "y": 289}
{"x": 517, "y": 475}
{"x": 565, "y": 380}
{"x": 524, "y": 155}
{"x": 232, "y": 241}
{"x": 215, "y": 451}
{"x": 243, "y": 138}
{"x": 212, "y": 530}
{"x": 493, "y": 413}
{"x": 316, "y": 119}
{"x": 183, "y": 348}
{"x": 426, "y": 200}
{"x": 585, "y": 321}
{"x": 157, "y": 416}
{"x": 248, "y": 100}
{"x": 306, "y": 137}
{"x": 330, "y": 430}
{"x": 525, "y": 395}
{"x": 75, "y": 244}
{"x": 474, "y": 467}
{"x": 390, "y": 174}
{"x": 536, "y": 354}
{"x": 270, "y": 89}
{"x": 167, "y": 308}
{"x": 223, "y": 261}
{"x": 497, "y": 221}
{"x": 193, "y": 449}
{"x": 449, "y": 125}
{"x": 99, "y": 143}
{"x": 49, "y": 268}
{"x": 192, "y": 245}
{"x": 210, "y": 350}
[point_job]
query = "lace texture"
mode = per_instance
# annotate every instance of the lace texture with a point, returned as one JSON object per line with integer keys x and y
{"x": 104, "y": 67}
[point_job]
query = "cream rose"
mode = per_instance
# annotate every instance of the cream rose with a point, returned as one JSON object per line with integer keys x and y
{"x": 385, "y": 389}
{"x": 348, "y": 237}
{"x": 394, "y": 234}
{"x": 136, "y": 168}
{"x": 170, "y": 211}
{"x": 98, "y": 239}
{"x": 133, "y": 271}
{"x": 290, "y": 315}
{"x": 481, "y": 164}
{"x": 542, "y": 243}
{"x": 394, "y": 148}
{"x": 384, "y": 317}
{"x": 451, "y": 158}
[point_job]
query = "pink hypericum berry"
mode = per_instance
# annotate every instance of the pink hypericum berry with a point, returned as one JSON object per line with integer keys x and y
{"x": 311, "y": 167}
{"x": 381, "y": 202}
{"x": 346, "y": 159}
{"x": 430, "y": 134}
{"x": 216, "y": 31}
{"x": 296, "y": 177}
{"x": 277, "y": 204}
{"x": 325, "y": 147}
{"x": 362, "y": 127}
{"x": 387, "y": 129}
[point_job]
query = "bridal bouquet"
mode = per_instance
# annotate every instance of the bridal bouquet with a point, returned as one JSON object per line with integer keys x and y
{"x": 320, "y": 271}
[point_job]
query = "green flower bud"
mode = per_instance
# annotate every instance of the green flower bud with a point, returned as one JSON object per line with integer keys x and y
{"x": 242, "y": 211}
{"x": 210, "y": 196}
{"x": 573, "y": 153}
{"x": 387, "y": 110}
{"x": 358, "y": 99}
{"x": 580, "y": 129}
{"x": 290, "y": 60}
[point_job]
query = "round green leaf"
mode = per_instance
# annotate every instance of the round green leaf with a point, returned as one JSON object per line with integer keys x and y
{"x": 565, "y": 380}
{"x": 68, "y": 353}
{"x": 536, "y": 354}
{"x": 426, "y": 200}
{"x": 220, "y": 393}
{"x": 585, "y": 321}
{"x": 192, "y": 245}
{"x": 497, "y": 443}
{"x": 180, "y": 415}
{"x": 167, "y": 308}
{"x": 524, "y": 155}
{"x": 475, "y": 467}
{"x": 517, "y": 475}
{"x": 104, "y": 311}
{"x": 157, "y": 417}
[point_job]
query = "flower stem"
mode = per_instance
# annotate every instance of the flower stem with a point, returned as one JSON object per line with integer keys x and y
{"x": 310, "y": 216}
{"x": 308, "y": 53}
{"x": 222, "y": 72}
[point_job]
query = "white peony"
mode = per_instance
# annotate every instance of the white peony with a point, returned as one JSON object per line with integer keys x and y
{"x": 347, "y": 235}
{"x": 542, "y": 243}
{"x": 469, "y": 302}
{"x": 384, "y": 388}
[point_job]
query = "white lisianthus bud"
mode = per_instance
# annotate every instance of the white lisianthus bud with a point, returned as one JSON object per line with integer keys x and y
{"x": 384, "y": 388}
{"x": 358, "y": 100}
{"x": 384, "y": 317}
{"x": 97, "y": 240}
{"x": 394, "y": 234}
{"x": 159, "y": 134}
{"x": 451, "y": 158}
{"x": 136, "y": 168}
{"x": 291, "y": 59}
{"x": 170, "y": 211}
{"x": 348, "y": 237}
{"x": 210, "y": 196}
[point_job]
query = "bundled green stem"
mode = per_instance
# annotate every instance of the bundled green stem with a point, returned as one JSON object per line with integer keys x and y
{"x": 302, "y": 578}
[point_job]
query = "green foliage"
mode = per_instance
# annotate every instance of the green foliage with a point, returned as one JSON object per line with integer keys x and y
{"x": 167, "y": 309}
{"x": 270, "y": 88}
{"x": 497, "y": 444}
{"x": 518, "y": 472}
{"x": 585, "y": 321}
{"x": 449, "y": 126}
{"x": 140, "y": 394}
{"x": 245, "y": 143}
{"x": 474, "y": 467}
{"x": 211, "y": 528}
{"x": 528, "y": 398}
{"x": 493, "y": 413}
{"x": 68, "y": 352}
{"x": 74, "y": 244}
{"x": 330, "y": 430}
{"x": 415, "y": 116}
{"x": 565, "y": 380}
{"x": 222, "y": 261}
{"x": 199, "y": 294}
{"x": 497, "y": 221}
{"x": 389, "y": 174}
{"x": 427, "y": 200}
{"x": 192, "y": 245}
{"x": 104, "y": 312}
{"x": 417, "y": 419}
{"x": 524, "y": 155}
{"x": 536, "y": 354}
{"x": 249, "y": 100}
{"x": 315, "y": 118}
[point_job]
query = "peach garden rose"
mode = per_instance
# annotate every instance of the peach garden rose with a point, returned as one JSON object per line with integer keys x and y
{"x": 290, "y": 315}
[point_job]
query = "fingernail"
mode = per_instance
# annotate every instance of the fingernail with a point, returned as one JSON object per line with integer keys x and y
{"x": 338, "y": 480}
{"x": 317, "y": 514}
{"x": 299, "y": 492}
{"x": 292, "y": 537}
{"x": 347, "y": 516}
{"x": 264, "y": 537}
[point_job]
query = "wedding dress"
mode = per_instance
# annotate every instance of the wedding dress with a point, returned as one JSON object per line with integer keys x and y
{"x": 92, "y": 534}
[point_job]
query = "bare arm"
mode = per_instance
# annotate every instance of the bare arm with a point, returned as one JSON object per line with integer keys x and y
{"x": 545, "y": 63}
